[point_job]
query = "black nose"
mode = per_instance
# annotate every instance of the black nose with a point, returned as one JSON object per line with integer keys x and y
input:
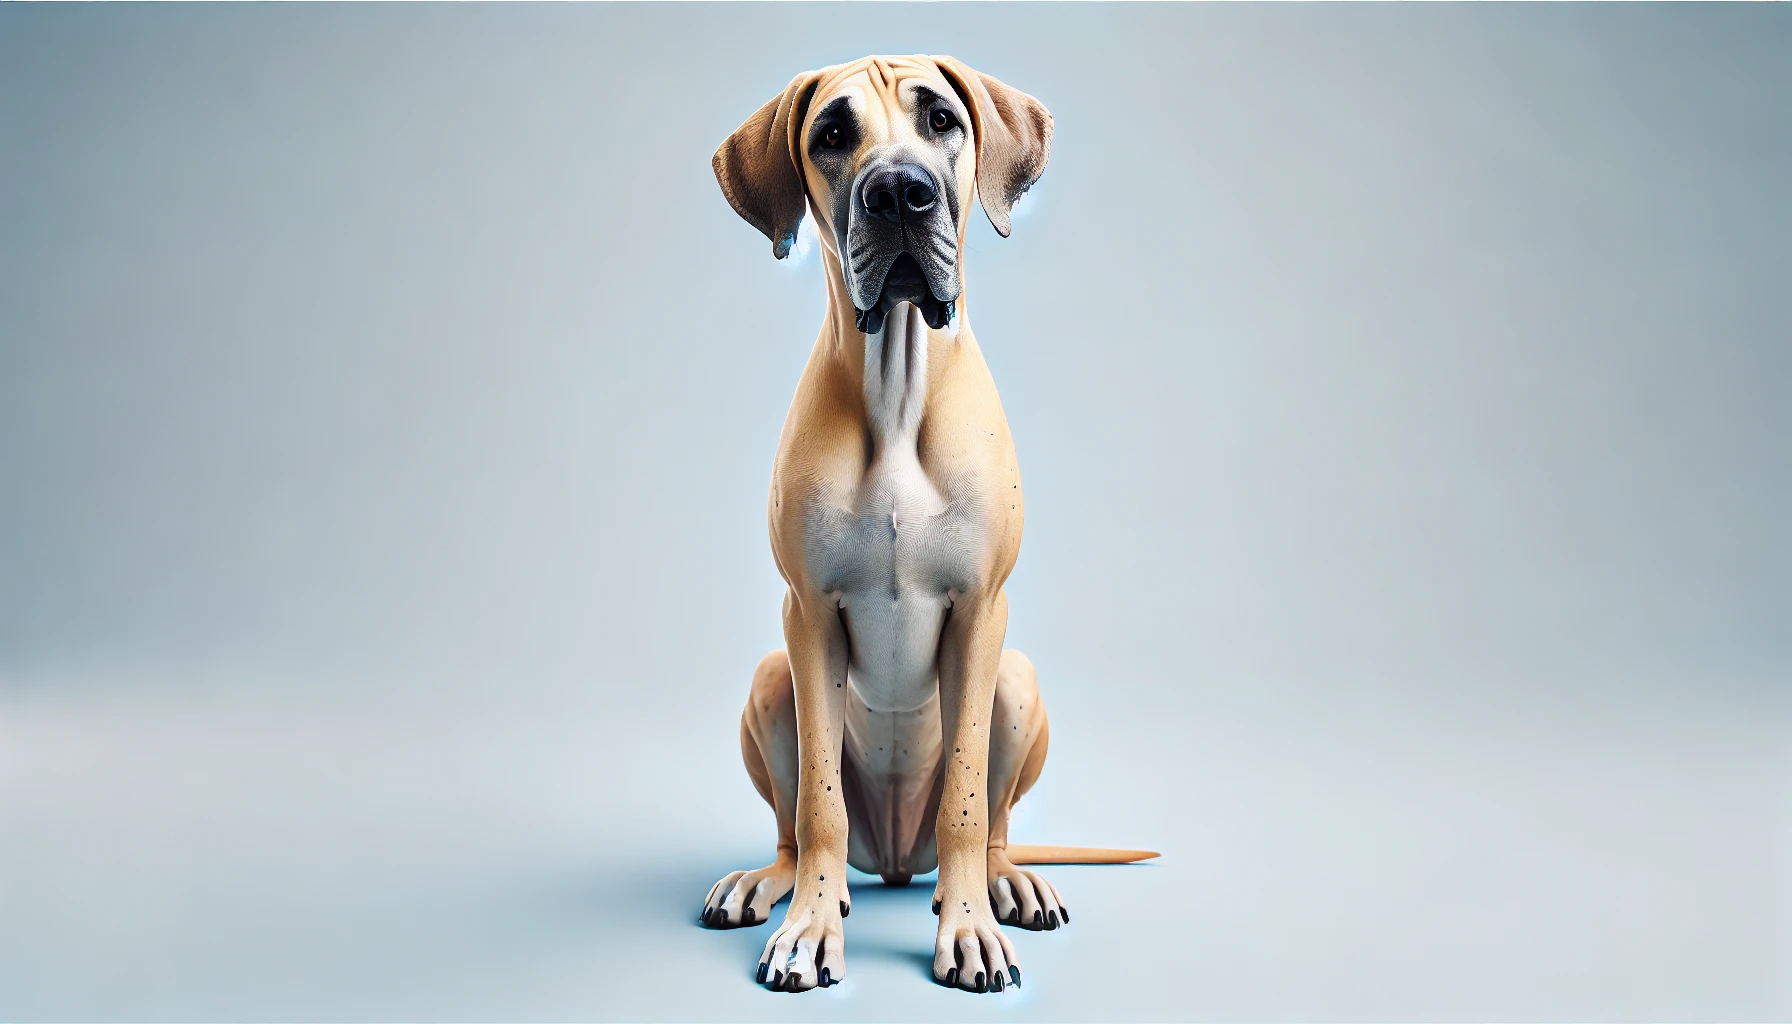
{"x": 889, "y": 191}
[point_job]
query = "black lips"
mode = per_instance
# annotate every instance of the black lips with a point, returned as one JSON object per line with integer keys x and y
{"x": 906, "y": 283}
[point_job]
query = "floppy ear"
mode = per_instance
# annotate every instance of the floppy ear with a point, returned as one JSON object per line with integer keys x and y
{"x": 1014, "y": 138}
{"x": 759, "y": 166}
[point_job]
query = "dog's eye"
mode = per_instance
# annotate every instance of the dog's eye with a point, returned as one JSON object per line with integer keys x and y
{"x": 832, "y": 137}
{"x": 942, "y": 120}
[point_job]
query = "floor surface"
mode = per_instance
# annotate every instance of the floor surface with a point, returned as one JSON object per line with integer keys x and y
{"x": 213, "y": 857}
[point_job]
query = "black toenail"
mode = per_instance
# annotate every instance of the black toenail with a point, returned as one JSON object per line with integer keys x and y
{"x": 1014, "y": 973}
{"x": 1066, "y": 912}
{"x": 1014, "y": 916}
{"x": 825, "y": 980}
{"x": 762, "y": 969}
{"x": 996, "y": 981}
{"x": 777, "y": 979}
{"x": 980, "y": 986}
{"x": 752, "y": 916}
{"x": 936, "y": 908}
{"x": 1051, "y": 921}
{"x": 1038, "y": 918}
{"x": 845, "y": 910}
{"x": 952, "y": 977}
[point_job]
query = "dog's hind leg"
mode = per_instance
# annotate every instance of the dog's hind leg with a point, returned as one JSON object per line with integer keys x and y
{"x": 1017, "y": 743}
{"x": 768, "y": 745}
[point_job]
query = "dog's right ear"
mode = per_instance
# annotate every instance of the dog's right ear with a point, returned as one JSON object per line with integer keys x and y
{"x": 760, "y": 166}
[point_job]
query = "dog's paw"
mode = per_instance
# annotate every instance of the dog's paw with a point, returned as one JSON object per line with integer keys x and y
{"x": 970, "y": 951}
{"x": 1023, "y": 898}
{"x": 808, "y": 949}
{"x": 746, "y": 897}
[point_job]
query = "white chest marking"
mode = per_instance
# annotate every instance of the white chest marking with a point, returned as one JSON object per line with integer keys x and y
{"x": 894, "y": 549}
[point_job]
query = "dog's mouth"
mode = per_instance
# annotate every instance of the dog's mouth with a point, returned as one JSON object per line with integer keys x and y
{"x": 906, "y": 282}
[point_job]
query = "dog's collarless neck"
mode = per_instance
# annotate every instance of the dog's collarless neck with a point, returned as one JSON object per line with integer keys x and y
{"x": 890, "y": 368}
{"x": 895, "y": 379}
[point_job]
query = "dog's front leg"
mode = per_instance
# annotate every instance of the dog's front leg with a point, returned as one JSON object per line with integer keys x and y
{"x": 809, "y": 948}
{"x": 970, "y": 951}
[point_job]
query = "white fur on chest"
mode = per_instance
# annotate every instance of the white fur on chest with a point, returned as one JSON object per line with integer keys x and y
{"x": 894, "y": 550}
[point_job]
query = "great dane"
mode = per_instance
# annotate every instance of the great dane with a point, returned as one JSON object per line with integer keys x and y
{"x": 893, "y": 732}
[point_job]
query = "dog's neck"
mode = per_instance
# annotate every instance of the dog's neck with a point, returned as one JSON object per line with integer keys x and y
{"x": 888, "y": 368}
{"x": 895, "y": 379}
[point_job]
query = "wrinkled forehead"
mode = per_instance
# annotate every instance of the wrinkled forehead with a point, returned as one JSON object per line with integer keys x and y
{"x": 877, "y": 89}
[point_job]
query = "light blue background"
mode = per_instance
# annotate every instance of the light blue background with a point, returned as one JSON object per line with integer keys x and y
{"x": 387, "y": 400}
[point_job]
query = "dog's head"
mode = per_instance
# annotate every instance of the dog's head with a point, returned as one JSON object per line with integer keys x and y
{"x": 887, "y": 152}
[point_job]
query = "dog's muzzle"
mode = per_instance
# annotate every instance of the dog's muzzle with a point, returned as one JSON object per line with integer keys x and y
{"x": 903, "y": 246}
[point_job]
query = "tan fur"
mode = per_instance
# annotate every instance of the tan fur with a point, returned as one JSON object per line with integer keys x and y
{"x": 970, "y": 750}
{"x": 1023, "y": 854}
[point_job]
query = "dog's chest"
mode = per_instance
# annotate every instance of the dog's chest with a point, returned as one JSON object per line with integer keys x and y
{"x": 894, "y": 558}
{"x": 898, "y": 537}
{"x": 894, "y": 549}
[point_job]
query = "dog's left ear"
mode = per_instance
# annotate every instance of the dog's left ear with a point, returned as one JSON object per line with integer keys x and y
{"x": 1014, "y": 138}
{"x": 759, "y": 166}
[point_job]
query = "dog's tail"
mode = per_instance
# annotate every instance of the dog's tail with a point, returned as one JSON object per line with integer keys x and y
{"x": 1021, "y": 854}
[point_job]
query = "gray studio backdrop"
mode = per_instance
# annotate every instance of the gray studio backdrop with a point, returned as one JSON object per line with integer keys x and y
{"x": 1403, "y": 394}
